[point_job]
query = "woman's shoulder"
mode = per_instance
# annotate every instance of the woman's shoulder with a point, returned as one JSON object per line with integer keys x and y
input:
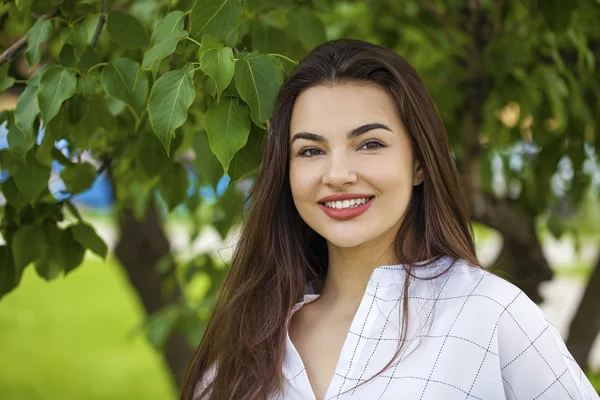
{"x": 533, "y": 358}
{"x": 485, "y": 297}
{"x": 466, "y": 281}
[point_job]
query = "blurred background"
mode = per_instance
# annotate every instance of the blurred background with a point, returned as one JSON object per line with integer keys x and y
{"x": 516, "y": 82}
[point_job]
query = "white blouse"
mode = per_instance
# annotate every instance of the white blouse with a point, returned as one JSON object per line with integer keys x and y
{"x": 471, "y": 335}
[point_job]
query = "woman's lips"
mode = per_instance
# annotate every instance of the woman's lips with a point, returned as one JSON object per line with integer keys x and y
{"x": 346, "y": 213}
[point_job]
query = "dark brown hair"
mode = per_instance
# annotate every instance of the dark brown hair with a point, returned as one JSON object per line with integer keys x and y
{"x": 278, "y": 252}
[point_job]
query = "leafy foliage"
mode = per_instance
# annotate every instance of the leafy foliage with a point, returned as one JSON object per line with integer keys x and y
{"x": 170, "y": 95}
{"x": 139, "y": 90}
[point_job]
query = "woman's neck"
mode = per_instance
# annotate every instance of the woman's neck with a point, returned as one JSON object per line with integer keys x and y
{"x": 349, "y": 270}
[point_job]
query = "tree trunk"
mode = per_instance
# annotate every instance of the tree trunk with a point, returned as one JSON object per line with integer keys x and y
{"x": 141, "y": 244}
{"x": 585, "y": 325}
{"x": 521, "y": 260}
{"x": 523, "y": 264}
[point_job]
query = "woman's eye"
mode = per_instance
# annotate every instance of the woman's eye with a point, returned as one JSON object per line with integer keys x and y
{"x": 371, "y": 145}
{"x": 309, "y": 152}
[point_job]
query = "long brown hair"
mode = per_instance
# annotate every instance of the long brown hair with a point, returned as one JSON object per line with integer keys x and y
{"x": 242, "y": 351}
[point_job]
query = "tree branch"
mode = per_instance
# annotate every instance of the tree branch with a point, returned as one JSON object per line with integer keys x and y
{"x": 9, "y": 53}
{"x": 100, "y": 23}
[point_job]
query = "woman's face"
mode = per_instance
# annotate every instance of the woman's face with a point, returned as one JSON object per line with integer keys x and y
{"x": 349, "y": 147}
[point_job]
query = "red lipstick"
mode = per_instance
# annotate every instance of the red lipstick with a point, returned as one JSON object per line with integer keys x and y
{"x": 345, "y": 213}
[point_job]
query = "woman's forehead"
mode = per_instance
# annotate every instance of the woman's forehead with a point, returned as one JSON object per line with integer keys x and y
{"x": 342, "y": 107}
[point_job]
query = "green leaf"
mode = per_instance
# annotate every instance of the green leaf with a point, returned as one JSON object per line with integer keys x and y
{"x": 32, "y": 179}
{"x": 151, "y": 155}
{"x": 230, "y": 205}
{"x": 56, "y": 85}
{"x": 163, "y": 48}
{"x": 6, "y": 81}
{"x": 307, "y": 27}
{"x": 88, "y": 85}
{"x": 247, "y": 159}
{"x": 23, "y": 4}
{"x": 73, "y": 210}
{"x": 126, "y": 30}
{"x": 77, "y": 108}
{"x": 40, "y": 32}
{"x": 60, "y": 157}
{"x": 231, "y": 38}
{"x": 228, "y": 125}
{"x": 209, "y": 85}
{"x": 44, "y": 152}
{"x": 558, "y": 13}
{"x": 85, "y": 235}
{"x": 19, "y": 143}
{"x": 72, "y": 252}
{"x": 172, "y": 22}
{"x": 50, "y": 264}
{"x": 9, "y": 162}
{"x": 67, "y": 56}
{"x": 208, "y": 167}
{"x": 208, "y": 42}
{"x": 63, "y": 253}
{"x": 27, "y": 109}
{"x": 219, "y": 65}
{"x": 27, "y": 245}
{"x": 13, "y": 196}
{"x": 214, "y": 17}
{"x": 257, "y": 79}
{"x": 9, "y": 275}
{"x": 4, "y": 116}
{"x": 77, "y": 36}
{"x": 4, "y": 8}
{"x": 78, "y": 177}
{"x": 118, "y": 79}
{"x": 173, "y": 185}
{"x": 171, "y": 96}
{"x": 88, "y": 59}
{"x": 60, "y": 127}
{"x": 269, "y": 39}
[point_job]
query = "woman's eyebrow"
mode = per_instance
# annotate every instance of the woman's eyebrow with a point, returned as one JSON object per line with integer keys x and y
{"x": 351, "y": 134}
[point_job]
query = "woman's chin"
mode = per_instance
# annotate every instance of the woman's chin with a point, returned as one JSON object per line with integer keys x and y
{"x": 345, "y": 239}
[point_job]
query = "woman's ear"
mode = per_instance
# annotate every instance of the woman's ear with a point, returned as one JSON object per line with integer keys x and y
{"x": 418, "y": 174}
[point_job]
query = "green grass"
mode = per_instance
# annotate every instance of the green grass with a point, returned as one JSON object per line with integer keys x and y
{"x": 76, "y": 338}
{"x": 594, "y": 378}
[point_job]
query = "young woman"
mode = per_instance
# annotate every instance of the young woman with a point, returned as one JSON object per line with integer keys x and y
{"x": 355, "y": 275}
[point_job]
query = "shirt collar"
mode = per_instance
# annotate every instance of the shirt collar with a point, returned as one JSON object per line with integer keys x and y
{"x": 392, "y": 274}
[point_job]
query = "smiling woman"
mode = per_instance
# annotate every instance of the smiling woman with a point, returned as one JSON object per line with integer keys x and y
{"x": 355, "y": 274}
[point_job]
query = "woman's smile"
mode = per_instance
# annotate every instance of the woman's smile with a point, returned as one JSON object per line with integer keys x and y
{"x": 347, "y": 206}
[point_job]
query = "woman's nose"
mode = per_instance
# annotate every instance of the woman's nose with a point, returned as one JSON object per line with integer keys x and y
{"x": 339, "y": 171}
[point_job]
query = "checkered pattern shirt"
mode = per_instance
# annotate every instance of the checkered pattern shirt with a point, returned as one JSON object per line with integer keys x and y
{"x": 471, "y": 335}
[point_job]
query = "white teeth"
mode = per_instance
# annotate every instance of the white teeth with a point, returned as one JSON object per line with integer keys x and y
{"x": 347, "y": 203}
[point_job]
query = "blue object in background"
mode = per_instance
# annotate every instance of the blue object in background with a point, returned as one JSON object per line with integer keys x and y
{"x": 100, "y": 195}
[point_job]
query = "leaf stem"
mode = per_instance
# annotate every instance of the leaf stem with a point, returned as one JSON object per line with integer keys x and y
{"x": 193, "y": 40}
{"x": 284, "y": 57}
{"x": 102, "y": 64}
